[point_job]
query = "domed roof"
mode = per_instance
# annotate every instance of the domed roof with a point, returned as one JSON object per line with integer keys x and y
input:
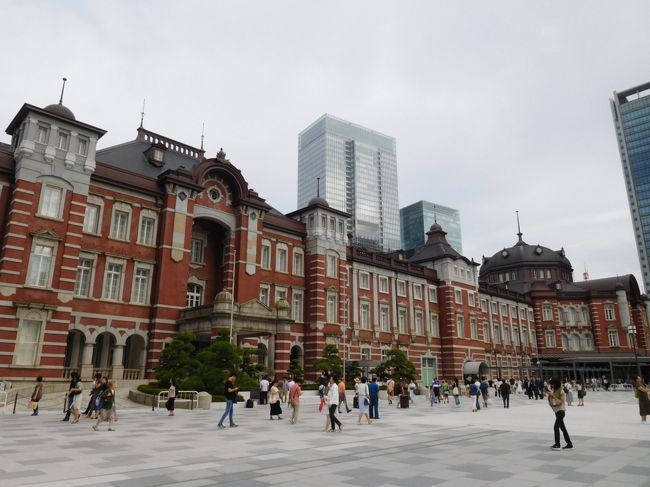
{"x": 223, "y": 297}
{"x": 435, "y": 228}
{"x": 521, "y": 255}
{"x": 60, "y": 110}
{"x": 318, "y": 201}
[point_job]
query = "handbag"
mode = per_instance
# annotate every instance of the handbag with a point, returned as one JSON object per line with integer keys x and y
{"x": 365, "y": 401}
{"x": 320, "y": 407}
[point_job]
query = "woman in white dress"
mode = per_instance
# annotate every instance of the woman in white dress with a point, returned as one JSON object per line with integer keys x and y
{"x": 412, "y": 388}
{"x": 363, "y": 395}
{"x": 520, "y": 389}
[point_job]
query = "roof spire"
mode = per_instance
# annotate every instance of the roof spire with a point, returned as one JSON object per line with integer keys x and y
{"x": 519, "y": 234}
{"x": 317, "y": 187}
{"x": 142, "y": 112}
{"x": 202, "y": 134}
{"x": 62, "y": 90}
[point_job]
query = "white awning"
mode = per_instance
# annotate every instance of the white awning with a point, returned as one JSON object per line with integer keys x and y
{"x": 477, "y": 369}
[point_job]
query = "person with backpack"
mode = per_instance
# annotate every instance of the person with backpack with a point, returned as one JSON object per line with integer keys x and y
{"x": 474, "y": 392}
{"x": 107, "y": 406}
{"x": 484, "y": 387}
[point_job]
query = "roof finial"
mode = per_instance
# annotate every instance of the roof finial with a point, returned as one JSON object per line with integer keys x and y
{"x": 519, "y": 234}
{"x": 202, "y": 134}
{"x": 142, "y": 112}
{"x": 435, "y": 217}
{"x": 317, "y": 187}
{"x": 62, "y": 90}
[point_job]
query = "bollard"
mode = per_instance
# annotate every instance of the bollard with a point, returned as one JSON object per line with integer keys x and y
{"x": 153, "y": 402}
{"x": 15, "y": 401}
{"x": 191, "y": 402}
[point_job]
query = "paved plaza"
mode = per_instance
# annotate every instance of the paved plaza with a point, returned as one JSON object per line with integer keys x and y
{"x": 419, "y": 446}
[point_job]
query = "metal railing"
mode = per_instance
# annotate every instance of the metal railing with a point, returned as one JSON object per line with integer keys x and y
{"x": 132, "y": 374}
{"x": 191, "y": 397}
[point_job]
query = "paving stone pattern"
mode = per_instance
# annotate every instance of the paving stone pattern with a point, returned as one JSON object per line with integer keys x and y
{"x": 420, "y": 446}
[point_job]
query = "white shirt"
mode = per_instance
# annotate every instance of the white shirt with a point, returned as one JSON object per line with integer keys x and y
{"x": 264, "y": 385}
{"x": 362, "y": 390}
{"x": 333, "y": 395}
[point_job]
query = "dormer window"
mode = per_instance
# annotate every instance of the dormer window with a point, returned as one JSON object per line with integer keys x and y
{"x": 156, "y": 155}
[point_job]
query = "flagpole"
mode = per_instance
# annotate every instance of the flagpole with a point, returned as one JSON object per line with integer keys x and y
{"x": 232, "y": 294}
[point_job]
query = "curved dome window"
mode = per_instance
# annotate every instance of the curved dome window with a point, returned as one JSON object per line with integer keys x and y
{"x": 504, "y": 253}
{"x": 538, "y": 250}
{"x": 214, "y": 194}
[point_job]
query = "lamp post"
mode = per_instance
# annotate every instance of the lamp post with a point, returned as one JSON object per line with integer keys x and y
{"x": 631, "y": 331}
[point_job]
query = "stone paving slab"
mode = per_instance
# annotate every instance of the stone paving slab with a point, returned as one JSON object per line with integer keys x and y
{"x": 420, "y": 446}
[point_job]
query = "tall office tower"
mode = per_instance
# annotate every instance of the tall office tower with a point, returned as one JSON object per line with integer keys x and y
{"x": 416, "y": 220}
{"x": 357, "y": 168}
{"x": 631, "y": 112}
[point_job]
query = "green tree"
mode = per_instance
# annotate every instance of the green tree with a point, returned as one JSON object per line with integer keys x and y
{"x": 295, "y": 369}
{"x": 217, "y": 360}
{"x": 397, "y": 366}
{"x": 178, "y": 361}
{"x": 330, "y": 361}
{"x": 352, "y": 370}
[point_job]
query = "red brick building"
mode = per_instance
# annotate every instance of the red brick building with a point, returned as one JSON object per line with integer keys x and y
{"x": 107, "y": 254}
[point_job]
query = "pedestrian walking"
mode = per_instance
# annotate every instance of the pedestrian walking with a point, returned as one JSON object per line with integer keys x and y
{"x": 373, "y": 389}
{"x": 333, "y": 402}
{"x": 69, "y": 397}
{"x": 275, "y": 408}
{"x": 485, "y": 391}
{"x": 325, "y": 411}
{"x": 475, "y": 394}
{"x": 556, "y": 399}
{"x": 505, "y": 394}
{"x": 76, "y": 393}
{"x": 582, "y": 392}
{"x": 264, "y": 390}
{"x": 364, "y": 400}
{"x": 294, "y": 399}
{"x": 91, "y": 409}
{"x": 455, "y": 391}
{"x": 641, "y": 391}
{"x": 568, "y": 390}
{"x": 107, "y": 406}
{"x": 390, "y": 390}
{"x": 171, "y": 397}
{"x": 36, "y": 395}
{"x": 342, "y": 398}
{"x": 412, "y": 388}
{"x": 230, "y": 392}
{"x": 445, "y": 391}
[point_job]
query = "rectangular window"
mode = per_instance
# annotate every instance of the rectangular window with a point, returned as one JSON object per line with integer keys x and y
{"x": 459, "y": 296}
{"x": 194, "y": 295}
{"x": 196, "y": 252}
{"x": 484, "y": 305}
{"x": 506, "y": 335}
{"x": 495, "y": 309}
{"x": 513, "y": 311}
{"x": 435, "y": 326}
{"x": 613, "y": 338}
{"x": 120, "y": 225}
{"x": 82, "y": 148}
{"x": 417, "y": 291}
{"x": 63, "y": 141}
{"x": 51, "y": 197}
{"x": 383, "y": 284}
{"x": 365, "y": 316}
{"x": 91, "y": 219}
{"x": 264, "y": 294}
{"x": 83, "y": 279}
{"x": 364, "y": 280}
{"x": 113, "y": 281}
{"x": 282, "y": 258}
{"x": 297, "y": 306}
{"x": 496, "y": 336}
{"x": 401, "y": 288}
{"x": 331, "y": 265}
{"x": 473, "y": 328}
{"x": 298, "y": 263}
{"x": 384, "y": 322}
{"x": 433, "y": 294}
{"x": 365, "y": 353}
{"x": 486, "y": 332}
{"x": 40, "y": 265}
{"x": 141, "y": 284}
{"x": 28, "y": 343}
{"x": 471, "y": 299}
{"x": 401, "y": 320}
{"x": 460, "y": 326}
{"x": 265, "y": 257}
{"x": 418, "y": 322}
{"x": 547, "y": 312}
{"x": 331, "y": 308}
{"x": 504, "y": 310}
{"x": 280, "y": 293}
{"x": 146, "y": 232}
{"x": 550, "y": 338}
{"x": 43, "y": 134}
{"x": 515, "y": 336}
{"x": 610, "y": 314}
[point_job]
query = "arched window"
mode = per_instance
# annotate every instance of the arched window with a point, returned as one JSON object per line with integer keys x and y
{"x": 565, "y": 342}
{"x": 194, "y": 295}
{"x": 575, "y": 341}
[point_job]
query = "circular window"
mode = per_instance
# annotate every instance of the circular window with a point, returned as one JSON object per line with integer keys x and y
{"x": 215, "y": 194}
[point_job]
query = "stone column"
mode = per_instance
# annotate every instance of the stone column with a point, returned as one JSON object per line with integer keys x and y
{"x": 118, "y": 368}
{"x": 86, "y": 371}
{"x": 271, "y": 354}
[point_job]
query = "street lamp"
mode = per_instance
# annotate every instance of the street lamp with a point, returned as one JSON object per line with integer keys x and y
{"x": 631, "y": 331}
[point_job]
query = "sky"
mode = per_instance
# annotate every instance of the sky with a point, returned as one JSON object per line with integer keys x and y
{"x": 496, "y": 106}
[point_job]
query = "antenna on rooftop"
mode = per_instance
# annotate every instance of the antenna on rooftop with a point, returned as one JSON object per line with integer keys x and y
{"x": 202, "y": 134}
{"x": 318, "y": 187}
{"x": 142, "y": 112}
{"x": 585, "y": 274}
{"x": 519, "y": 234}
{"x": 435, "y": 217}
{"x": 62, "y": 90}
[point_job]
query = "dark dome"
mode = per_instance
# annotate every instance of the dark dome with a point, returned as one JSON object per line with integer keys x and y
{"x": 318, "y": 201}
{"x": 436, "y": 228}
{"x": 521, "y": 255}
{"x": 60, "y": 110}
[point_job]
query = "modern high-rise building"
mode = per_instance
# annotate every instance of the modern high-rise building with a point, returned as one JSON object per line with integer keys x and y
{"x": 357, "y": 170}
{"x": 631, "y": 112}
{"x": 416, "y": 219}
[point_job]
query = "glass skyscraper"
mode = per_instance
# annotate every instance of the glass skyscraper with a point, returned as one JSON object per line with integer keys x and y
{"x": 416, "y": 220}
{"x": 631, "y": 112}
{"x": 357, "y": 168}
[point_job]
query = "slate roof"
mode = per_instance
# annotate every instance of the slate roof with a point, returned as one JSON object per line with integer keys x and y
{"x": 437, "y": 247}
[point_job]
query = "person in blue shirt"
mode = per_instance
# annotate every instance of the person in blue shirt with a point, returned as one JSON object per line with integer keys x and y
{"x": 373, "y": 389}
